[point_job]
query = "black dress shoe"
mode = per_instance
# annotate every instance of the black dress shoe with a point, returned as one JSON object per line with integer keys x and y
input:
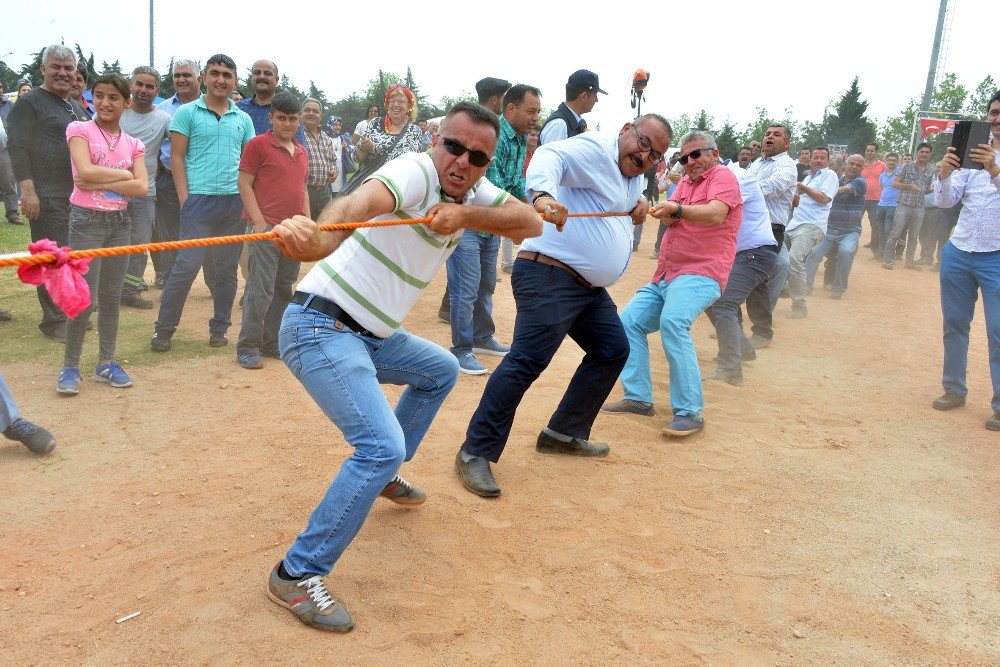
{"x": 476, "y": 476}
{"x": 576, "y": 447}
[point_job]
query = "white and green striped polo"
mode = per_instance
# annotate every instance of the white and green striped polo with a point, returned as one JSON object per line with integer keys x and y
{"x": 377, "y": 274}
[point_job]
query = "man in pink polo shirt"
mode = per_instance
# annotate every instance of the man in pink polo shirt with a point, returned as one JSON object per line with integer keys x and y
{"x": 696, "y": 255}
{"x": 870, "y": 172}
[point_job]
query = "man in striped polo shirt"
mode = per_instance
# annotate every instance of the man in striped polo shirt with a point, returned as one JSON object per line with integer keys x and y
{"x": 342, "y": 337}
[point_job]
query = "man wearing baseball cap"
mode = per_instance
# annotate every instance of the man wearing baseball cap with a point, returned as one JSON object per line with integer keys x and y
{"x": 491, "y": 91}
{"x": 581, "y": 96}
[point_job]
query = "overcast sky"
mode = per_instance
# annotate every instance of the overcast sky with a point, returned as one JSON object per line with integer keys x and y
{"x": 725, "y": 56}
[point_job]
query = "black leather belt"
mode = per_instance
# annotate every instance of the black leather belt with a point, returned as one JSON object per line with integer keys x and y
{"x": 329, "y": 308}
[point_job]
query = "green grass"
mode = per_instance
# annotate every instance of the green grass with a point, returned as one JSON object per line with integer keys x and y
{"x": 21, "y": 341}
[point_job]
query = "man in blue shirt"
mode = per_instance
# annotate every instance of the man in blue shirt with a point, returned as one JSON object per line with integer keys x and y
{"x": 264, "y": 77}
{"x": 843, "y": 230}
{"x": 559, "y": 283}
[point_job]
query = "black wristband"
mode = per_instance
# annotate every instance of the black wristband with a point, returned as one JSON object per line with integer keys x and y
{"x": 679, "y": 212}
{"x": 541, "y": 195}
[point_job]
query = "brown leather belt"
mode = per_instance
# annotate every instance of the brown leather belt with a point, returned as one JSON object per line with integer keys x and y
{"x": 551, "y": 261}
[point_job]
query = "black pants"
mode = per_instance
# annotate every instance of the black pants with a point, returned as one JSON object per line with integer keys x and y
{"x": 53, "y": 224}
{"x": 551, "y": 304}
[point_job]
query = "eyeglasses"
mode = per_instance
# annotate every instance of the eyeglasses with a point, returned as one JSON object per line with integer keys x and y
{"x": 458, "y": 149}
{"x": 72, "y": 114}
{"x": 646, "y": 147}
{"x": 693, "y": 155}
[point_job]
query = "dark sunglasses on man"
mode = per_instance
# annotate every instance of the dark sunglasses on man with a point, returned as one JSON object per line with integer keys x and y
{"x": 458, "y": 149}
{"x": 693, "y": 155}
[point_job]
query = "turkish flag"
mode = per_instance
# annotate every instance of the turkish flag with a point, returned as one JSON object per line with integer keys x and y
{"x": 935, "y": 126}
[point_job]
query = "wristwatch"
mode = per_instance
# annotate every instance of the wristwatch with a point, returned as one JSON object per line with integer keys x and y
{"x": 678, "y": 213}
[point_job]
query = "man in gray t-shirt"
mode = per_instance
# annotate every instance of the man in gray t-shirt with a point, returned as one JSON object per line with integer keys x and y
{"x": 150, "y": 126}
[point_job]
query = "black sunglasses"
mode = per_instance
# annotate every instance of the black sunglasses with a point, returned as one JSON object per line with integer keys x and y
{"x": 694, "y": 155}
{"x": 458, "y": 149}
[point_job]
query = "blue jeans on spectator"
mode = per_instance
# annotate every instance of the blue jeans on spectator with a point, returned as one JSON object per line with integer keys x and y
{"x": 670, "y": 308}
{"x": 551, "y": 304}
{"x": 837, "y": 247}
{"x": 8, "y": 408}
{"x": 343, "y": 371}
{"x": 88, "y": 229}
{"x": 141, "y": 211}
{"x": 472, "y": 278}
{"x": 886, "y": 217}
{"x": 204, "y": 216}
{"x": 751, "y": 269}
{"x": 963, "y": 276}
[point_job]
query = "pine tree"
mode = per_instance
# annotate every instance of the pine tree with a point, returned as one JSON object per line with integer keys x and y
{"x": 848, "y": 123}
{"x": 167, "y": 81}
{"x": 703, "y": 122}
{"x": 8, "y": 77}
{"x": 727, "y": 140}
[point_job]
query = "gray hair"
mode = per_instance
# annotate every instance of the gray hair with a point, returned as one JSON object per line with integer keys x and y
{"x": 312, "y": 99}
{"x": 185, "y": 62}
{"x": 145, "y": 69}
{"x": 696, "y": 135}
{"x": 57, "y": 52}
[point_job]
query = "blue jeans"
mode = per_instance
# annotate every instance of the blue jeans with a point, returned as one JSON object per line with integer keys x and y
{"x": 472, "y": 277}
{"x": 8, "y": 408}
{"x": 886, "y": 217}
{"x": 963, "y": 276}
{"x": 204, "y": 216}
{"x": 551, "y": 304}
{"x": 670, "y": 308}
{"x": 343, "y": 371}
{"x": 837, "y": 247}
{"x": 141, "y": 211}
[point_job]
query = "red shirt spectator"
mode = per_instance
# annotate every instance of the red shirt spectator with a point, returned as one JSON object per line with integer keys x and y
{"x": 279, "y": 177}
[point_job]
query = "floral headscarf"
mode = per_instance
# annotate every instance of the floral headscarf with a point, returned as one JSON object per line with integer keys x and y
{"x": 411, "y": 112}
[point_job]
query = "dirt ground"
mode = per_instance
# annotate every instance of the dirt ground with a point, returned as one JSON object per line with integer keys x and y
{"x": 825, "y": 515}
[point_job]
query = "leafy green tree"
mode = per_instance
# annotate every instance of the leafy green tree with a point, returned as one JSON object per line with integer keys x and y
{"x": 318, "y": 95}
{"x": 682, "y": 125}
{"x": 8, "y": 77}
{"x": 702, "y": 121}
{"x": 812, "y": 135}
{"x": 976, "y": 106}
{"x": 33, "y": 70}
{"x": 167, "y": 81}
{"x": 897, "y": 131}
{"x": 949, "y": 95}
{"x": 848, "y": 123}
{"x": 727, "y": 140}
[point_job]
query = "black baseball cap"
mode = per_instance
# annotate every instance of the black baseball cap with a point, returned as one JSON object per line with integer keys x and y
{"x": 490, "y": 86}
{"x": 584, "y": 78}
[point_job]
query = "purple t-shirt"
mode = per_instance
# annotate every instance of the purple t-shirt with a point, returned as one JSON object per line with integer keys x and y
{"x": 118, "y": 153}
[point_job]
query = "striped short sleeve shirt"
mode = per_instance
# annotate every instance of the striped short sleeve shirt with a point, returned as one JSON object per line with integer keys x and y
{"x": 378, "y": 274}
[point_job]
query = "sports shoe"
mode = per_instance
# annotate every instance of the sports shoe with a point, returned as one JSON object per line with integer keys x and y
{"x": 798, "y": 312}
{"x": 32, "y": 436}
{"x": 402, "y": 492}
{"x": 507, "y": 268}
{"x": 912, "y": 266}
{"x": 836, "y": 295}
{"x": 546, "y": 444}
{"x": 136, "y": 301}
{"x": 993, "y": 423}
{"x": 112, "y": 374}
{"x": 6, "y": 316}
{"x": 218, "y": 339}
{"x": 887, "y": 265}
{"x": 492, "y": 347}
{"x": 249, "y": 360}
{"x": 747, "y": 352}
{"x": 445, "y": 316}
{"x": 683, "y": 425}
{"x": 160, "y": 341}
{"x": 468, "y": 364}
{"x": 271, "y": 351}
{"x": 735, "y": 379}
{"x": 759, "y": 342}
{"x": 310, "y": 601}
{"x": 69, "y": 381}
{"x": 627, "y": 405}
{"x": 948, "y": 401}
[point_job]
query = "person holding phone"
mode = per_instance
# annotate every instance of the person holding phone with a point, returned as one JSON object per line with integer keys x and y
{"x": 970, "y": 263}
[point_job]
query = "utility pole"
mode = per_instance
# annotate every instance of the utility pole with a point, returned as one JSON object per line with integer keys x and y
{"x": 935, "y": 51}
{"x": 151, "y": 33}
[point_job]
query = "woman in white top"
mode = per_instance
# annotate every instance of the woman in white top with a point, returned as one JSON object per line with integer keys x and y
{"x": 359, "y": 130}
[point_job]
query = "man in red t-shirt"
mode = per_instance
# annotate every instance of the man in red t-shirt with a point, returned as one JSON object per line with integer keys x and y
{"x": 696, "y": 255}
{"x": 870, "y": 172}
{"x": 274, "y": 170}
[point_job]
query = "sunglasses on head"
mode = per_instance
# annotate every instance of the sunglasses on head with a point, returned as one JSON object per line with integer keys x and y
{"x": 458, "y": 149}
{"x": 693, "y": 155}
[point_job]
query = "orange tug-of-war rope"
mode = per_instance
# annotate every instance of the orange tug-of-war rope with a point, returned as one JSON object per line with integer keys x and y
{"x": 48, "y": 258}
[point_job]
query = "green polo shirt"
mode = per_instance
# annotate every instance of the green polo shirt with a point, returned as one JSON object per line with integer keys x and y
{"x": 215, "y": 144}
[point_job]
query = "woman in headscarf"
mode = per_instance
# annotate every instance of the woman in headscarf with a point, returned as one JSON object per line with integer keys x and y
{"x": 382, "y": 140}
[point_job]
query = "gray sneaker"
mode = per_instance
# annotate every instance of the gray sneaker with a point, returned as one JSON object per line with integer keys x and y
{"x": 401, "y": 492}
{"x": 759, "y": 342}
{"x": 628, "y": 405}
{"x": 310, "y": 601}
{"x": 32, "y": 436}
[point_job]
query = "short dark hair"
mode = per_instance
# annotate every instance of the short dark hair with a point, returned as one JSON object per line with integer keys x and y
{"x": 81, "y": 67}
{"x": 821, "y": 148}
{"x": 113, "y": 80}
{"x": 221, "y": 59}
{"x": 788, "y": 133}
{"x": 517, "y": 93}
{"x": 871, "y": 143}
{"x": 285, "y": 102}
{"x": 477, "y": 113}
{"x": 895, "y": 155}
{"x": 369, "y": 108}
{"x": 995, "y": 98}
{"x": 573, "y": 92}
{"x": 923, "y": 144}
{"x": 743, "y": 148}
{"x": 659, "y": 119}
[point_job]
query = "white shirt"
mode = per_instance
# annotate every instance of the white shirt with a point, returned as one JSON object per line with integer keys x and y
{"x": 809, "y": 211}
{"x": 777, "y": 176}
{"x": 978, "y": 228}
{"x": 360, "y": 128}
{"x": 755, "y": 228}
{"x": 582, "y": 172}
{"x": 378, "y": 273}
{"x": 556, "y": 130}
